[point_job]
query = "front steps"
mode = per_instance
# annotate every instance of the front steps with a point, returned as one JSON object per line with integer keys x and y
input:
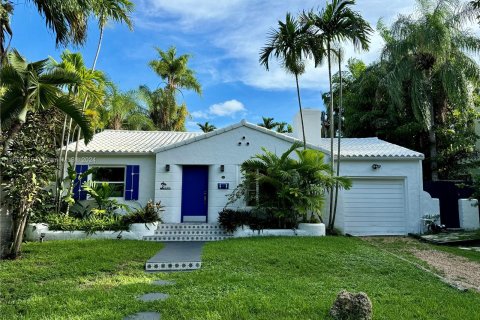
{"x": 188, "y": 232}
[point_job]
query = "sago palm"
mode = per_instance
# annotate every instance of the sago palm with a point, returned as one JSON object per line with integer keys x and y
{"x": 289, "y": 44}
{"x": 433, "y": 64}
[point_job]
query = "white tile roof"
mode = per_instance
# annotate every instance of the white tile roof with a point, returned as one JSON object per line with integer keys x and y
{"x": 125, "y": 141}
{"x": 369, "y": 148}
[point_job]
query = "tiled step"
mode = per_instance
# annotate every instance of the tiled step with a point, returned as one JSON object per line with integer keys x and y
{"x": 186, "y": 238}
{"x": 173, "y": 266}
{"x": 188, "y": 232}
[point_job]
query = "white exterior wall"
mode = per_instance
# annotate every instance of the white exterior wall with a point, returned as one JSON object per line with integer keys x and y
{"x": 468, "y": 214}
{"x": 409, "y": 171}
{"x": 222, "y": 149}
{"x": 147, "y": 172}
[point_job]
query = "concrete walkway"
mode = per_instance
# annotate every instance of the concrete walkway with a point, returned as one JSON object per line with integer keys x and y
{"x": 177, "y": 256}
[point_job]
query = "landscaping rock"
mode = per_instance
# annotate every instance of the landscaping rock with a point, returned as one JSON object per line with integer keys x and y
{"x": 352, "y": 306}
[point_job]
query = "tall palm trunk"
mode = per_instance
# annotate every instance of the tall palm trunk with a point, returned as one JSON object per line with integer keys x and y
{"x": 339, "y": 134}
{"x": 301, "y": 113}
{"x": 332, "y": 133}
{"x": 58, "y": 174}
{"x": 99, "y": 46}
{"x": 432, "y": 136}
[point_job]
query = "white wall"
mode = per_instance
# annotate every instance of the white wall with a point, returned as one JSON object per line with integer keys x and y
{"x": 312, "y": 120}
{"x": 147, "y": 172}
{"x": 468, "y": 214}
{"x": 213, "y": 151}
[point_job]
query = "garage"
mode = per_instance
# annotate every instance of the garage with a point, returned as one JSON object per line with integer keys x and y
{"x": 375, "y": 207}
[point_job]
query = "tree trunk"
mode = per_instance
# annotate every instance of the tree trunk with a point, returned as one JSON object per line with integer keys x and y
{"x": 99, "y": 46}
{"x": 301, "y": 113}
{"x": 339, "y": 134}
{"x": 332, "y": 134}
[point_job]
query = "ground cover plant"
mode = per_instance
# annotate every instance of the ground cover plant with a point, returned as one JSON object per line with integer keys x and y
{"x": 257, "y": 278}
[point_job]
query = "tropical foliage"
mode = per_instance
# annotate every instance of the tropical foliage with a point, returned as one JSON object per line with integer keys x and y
{"x": 206, "y": 127}
{"x": 422, "y": 94}
{"x": 271, "y": 124}
{"x": 28, "y": 169}
{"x": 286, "y": 187}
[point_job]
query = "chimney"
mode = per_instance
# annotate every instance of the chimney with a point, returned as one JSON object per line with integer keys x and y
{"x": 312, "y": 121}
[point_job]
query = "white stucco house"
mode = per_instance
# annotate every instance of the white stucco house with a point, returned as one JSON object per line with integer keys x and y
{"x": 192, "y": 173}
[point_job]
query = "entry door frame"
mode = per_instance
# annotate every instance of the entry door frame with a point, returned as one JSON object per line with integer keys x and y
{"x": 194, "y": 202}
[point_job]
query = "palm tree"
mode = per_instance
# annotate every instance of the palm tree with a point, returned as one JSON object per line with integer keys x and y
{"x": 6, "y": 10}
{"x": 207, "y": 127}
{"x": 105, "y": 10}
{"x": 124, "y": 112}
{"x": 433, "y": 67}
{"x": 175, "y": 71}
{"x": 268, "y": 123}
{"x": 333, "y": 25}
{"x": 66, "y": 18}
{"x": 29, "y": 87}
{"x": 163, "y": 110}
{"x": 289, "y": 44}
{"x": 283, "y": 127}
{"x": 90, "y": 87}
{"x": 111, "y": 10}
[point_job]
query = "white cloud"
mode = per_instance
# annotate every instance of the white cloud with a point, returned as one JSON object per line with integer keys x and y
{"x": 200, "y": 115}
{"x": 238, "y": 29}
{"x": 227, "y": 109}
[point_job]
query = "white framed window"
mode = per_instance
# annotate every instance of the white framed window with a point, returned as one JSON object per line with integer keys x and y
{"x": 253, "y": 193}
{"x": 114, "y": 176}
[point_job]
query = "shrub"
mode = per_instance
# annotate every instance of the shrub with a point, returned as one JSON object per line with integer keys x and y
{"x": 91, "y": 225}
{"x": 230, "y": 219}
{"x": 150, "y": 214}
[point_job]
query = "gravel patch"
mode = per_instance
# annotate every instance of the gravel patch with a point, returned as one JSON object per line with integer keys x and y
{"x": 456, "y": 269}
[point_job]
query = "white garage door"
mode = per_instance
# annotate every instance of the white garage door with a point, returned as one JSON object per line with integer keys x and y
{"x": 375, "y": 207}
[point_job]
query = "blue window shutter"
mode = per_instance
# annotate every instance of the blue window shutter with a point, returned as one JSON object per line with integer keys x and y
{"x": 132, "y": 182}
{"x": 78, "y": 192}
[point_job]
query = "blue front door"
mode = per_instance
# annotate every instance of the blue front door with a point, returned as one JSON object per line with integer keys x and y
{"x": 195, "y": 194}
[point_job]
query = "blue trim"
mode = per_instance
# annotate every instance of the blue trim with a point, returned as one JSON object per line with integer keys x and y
{"x": 78, "y": 192}
{"x": 132, "y": 182}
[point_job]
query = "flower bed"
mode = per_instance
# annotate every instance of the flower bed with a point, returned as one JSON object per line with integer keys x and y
{"x": 137, "y": 231}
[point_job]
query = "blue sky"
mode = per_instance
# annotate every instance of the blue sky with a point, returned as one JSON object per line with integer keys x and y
{"x": 224, "y": 38}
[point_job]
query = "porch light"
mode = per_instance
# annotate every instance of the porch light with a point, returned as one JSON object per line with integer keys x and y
{"x": 167, "y": 167}
{"x": 222, "y": 168}
{"x": 376, "y": 166}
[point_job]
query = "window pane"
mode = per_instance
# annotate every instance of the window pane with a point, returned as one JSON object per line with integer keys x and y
{"x": 109, "y": 174}
{"x": 118, "y": 189}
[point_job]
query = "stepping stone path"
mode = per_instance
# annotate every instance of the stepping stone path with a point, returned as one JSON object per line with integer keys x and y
{"x": 144, "y": 316}
{"x": 175, "y": 256}
{"x": 163, "y": 283}
{"x": 153, "y": 297}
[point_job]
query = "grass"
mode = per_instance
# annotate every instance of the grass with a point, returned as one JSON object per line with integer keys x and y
{"x": 264, "y": 278}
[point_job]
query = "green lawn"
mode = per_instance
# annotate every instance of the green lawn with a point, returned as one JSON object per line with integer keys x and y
{"x": 269, "y": 278}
